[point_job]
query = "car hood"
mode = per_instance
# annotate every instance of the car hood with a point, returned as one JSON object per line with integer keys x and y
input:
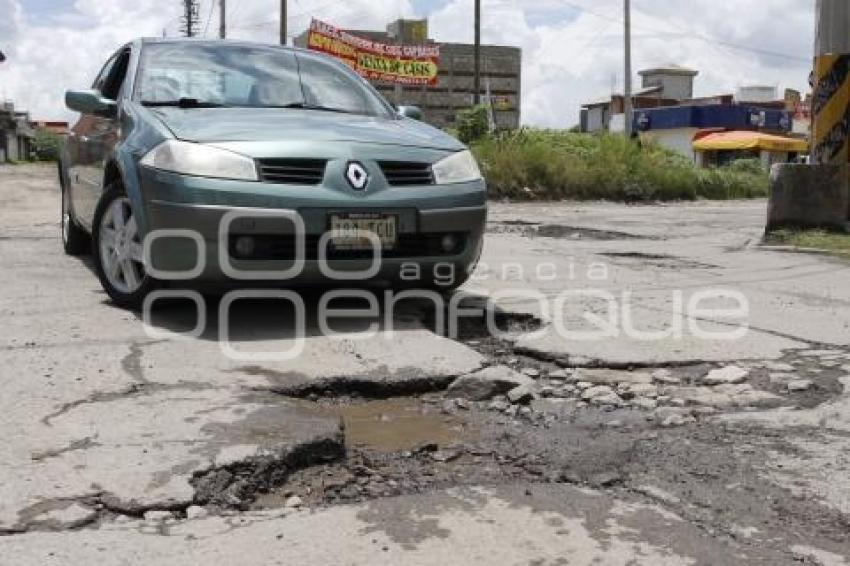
{"x": 282, "y": 124}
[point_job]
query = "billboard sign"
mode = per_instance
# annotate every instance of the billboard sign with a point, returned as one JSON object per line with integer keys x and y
{"x": 409, "y": 65}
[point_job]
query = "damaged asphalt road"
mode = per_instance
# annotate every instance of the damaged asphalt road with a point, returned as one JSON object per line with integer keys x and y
{"x": 418, "y": 448}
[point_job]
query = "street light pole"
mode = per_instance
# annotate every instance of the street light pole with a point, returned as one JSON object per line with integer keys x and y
{"x": 222, "y": 19}
{"x": 283, "y": 22}
{"x": 627, "y": 94}
{"x": 476, "y": 85}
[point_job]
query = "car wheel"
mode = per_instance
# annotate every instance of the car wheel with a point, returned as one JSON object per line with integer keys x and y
{"x": 75, "y": 240}
{"x": 118, "y": 251}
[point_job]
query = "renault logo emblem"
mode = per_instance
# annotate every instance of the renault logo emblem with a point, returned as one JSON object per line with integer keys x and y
{"x": 357, "y": 176}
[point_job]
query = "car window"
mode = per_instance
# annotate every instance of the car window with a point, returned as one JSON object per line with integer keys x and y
{"x": 226, "y": 75}
{"x": 104, "y": 72}
{"x": 326, "y": 84}
{"x": 250, "y": 76}
{"x": 115, "y": 78}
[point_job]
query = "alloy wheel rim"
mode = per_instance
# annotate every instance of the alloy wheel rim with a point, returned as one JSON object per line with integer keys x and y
{"x": 121, "y": 250}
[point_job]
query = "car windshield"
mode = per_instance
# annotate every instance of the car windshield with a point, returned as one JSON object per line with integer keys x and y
{"x": 216, "y": 75}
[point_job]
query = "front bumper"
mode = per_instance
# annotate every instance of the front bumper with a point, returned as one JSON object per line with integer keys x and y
{"x": 177, "y": 204}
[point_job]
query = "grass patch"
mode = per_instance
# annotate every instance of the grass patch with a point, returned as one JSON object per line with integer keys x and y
{"x": 833, "y": 242}
{"x": 532, "y": 164}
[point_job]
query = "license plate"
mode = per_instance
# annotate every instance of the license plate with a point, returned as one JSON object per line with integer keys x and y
{"x": 345, "y": 230}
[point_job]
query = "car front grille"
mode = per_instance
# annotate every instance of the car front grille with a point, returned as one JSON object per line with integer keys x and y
{"x": 280, "y": 248}
{"x": 407, "y": 173}
{"x": 292, "y": 171}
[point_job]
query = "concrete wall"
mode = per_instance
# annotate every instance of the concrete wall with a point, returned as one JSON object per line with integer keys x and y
{"x": 832, "y": 26}
{"x": 597, "y": 119}
{"x": 679, "y": 140}
{"x": 809, "y": 196}
{"x": 677, "y": 87}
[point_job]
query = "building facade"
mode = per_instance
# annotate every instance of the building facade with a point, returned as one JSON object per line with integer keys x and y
{"x": 676, "y": 127}
{"x": 501, "y": 77}
{"x": 667, "y": 114}
{"x": 16, "y": 134}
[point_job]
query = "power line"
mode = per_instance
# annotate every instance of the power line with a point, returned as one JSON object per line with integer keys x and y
{"x": 690, "y": 34}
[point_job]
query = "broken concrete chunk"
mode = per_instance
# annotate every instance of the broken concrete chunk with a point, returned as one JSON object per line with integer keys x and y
{"x": 66, "y": 515}
{"x": 782, "y": 378}
{"x": 196, "y": 512}
{"x": 601, "y": 395}
{"x": 598, "y": 391}
{"x": 645, "y": 404}
{"x": 727, "y": 396}
{"x": 779, "y": 366}
{"x": 523, "y": 394}
{"x": 562, "y": 375}
{"x": 293, "y": 502}
{"x": 488, "y": 383}
{"x": 728, "y": 374}
{"x": 158, "y": 516}
{"x": 613, "y": 376}
{"x": 613, "y": 400}
{"x": 799, "y": 385}
{"x": 640, "y": 390}
{"x": 677, "y": 420}
{"x": 665, "y": 377}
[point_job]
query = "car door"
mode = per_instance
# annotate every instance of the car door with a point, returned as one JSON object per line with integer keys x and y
{"x": 92, "y": 140}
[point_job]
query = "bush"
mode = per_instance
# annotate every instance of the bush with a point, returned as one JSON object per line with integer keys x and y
{"x": 472, "y": 124}
{"x": 542, "y": 164}
{"x": 47, "y": 145}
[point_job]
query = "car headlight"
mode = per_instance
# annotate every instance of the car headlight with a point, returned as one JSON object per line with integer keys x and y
{"x": 459, "y": 167}
{"x": 200, "y": 160}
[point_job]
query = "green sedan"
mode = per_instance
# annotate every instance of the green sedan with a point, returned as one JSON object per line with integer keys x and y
{"x": 214, "y": 164}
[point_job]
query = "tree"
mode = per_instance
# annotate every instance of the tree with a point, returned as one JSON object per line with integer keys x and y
{"x": 472, "y": 124}
{"x": 47, "y": 145}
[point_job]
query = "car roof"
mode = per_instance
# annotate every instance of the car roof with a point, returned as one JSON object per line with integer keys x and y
{"x": 227, "y": 42}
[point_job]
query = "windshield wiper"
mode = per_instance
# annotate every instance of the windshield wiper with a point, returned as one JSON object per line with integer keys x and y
{"x": 183, "y": 103}
{"x": 305, "y": 106}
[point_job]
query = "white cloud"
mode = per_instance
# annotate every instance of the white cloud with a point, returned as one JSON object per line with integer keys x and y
{"x": 576, "y": 59}
{"x": 570, "y": 56}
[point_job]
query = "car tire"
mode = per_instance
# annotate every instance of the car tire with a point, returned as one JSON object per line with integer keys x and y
{"x": 117, "y": 248}
{"x": 75, "y": 240}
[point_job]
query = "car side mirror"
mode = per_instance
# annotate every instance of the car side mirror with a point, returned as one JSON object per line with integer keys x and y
{"x": 412, "y": 112}
{"x": 90, "y": 102}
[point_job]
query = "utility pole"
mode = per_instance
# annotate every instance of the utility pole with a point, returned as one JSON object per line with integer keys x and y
{"x": 222, "y": 19}
{"x": 283, "y": 37}
{"x": 627, "y": 95}
{"x": 190, "y": 17}
{"x": 476, "y": 84}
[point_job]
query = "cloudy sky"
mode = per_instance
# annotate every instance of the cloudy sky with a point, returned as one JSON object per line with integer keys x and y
{"x": 572, "y": 49}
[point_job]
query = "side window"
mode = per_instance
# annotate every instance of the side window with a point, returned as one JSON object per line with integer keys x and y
{"x": 115, "y": 78}
{"x": 104, "y": 72}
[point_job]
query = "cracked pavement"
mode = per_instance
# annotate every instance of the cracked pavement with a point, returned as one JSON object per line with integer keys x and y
{"x": 121, "y": 448}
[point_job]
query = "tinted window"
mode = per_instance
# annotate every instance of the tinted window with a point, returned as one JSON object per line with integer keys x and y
{"x": 104, "y": 72}
{"x": 111, "y": 87}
